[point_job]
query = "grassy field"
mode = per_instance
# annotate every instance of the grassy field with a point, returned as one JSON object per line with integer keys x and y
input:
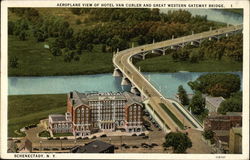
{"x": 167, "y": 64}
{"x": 62, "y": 134}
{"x": 172, "y": 116}
{"x": 159, "y": 117}
{"x": 24, "y": 110}
{"x": 35, "y": 60}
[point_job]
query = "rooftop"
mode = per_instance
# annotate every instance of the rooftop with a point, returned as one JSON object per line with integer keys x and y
{"x": 85, "y": 98}
{"x": 57, "y": 117}
{"x": 215, "y": 101}
{"x": 92, "y": 147}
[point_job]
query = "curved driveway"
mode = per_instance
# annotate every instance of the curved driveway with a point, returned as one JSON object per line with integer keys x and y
{"x": 122, "y": 60}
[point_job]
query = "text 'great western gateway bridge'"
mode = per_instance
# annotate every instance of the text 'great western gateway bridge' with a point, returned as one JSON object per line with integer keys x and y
{"x": 169, "y": 116}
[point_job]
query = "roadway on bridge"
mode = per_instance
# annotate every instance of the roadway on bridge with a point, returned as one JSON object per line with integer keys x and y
{"x": 122, "y": 60}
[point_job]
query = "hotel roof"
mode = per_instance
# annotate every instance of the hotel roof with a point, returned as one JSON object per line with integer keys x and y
{"x": 84, "y": 98}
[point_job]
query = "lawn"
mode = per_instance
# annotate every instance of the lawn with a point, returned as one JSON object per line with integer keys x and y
{"x": 158, "y": 116}
{"x": 24, "y": 110}
{"x": 44, "y": 134}
{"x": 35, "y": 60}
{"x": 167, "y": 64}
{"x": 171, "y": 115}
{"x": 62, "y": 134}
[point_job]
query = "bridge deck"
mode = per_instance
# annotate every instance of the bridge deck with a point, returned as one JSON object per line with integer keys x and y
{"x": 122, "y": 61}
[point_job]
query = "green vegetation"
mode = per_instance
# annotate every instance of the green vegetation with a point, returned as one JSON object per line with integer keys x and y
{"x": 183, "y": 95}
{"x": 224, "y": 55}
{"x": 197, "y": 106}
{"x": 24, "y": 110}
{"x": 44, "y": 134}
{"x": 172, "y": 116}
{"x": 184, "y": 115}
{"x": 167, "y": 64}
{"x": 208, "y": 134}
{"x": 179, "y": 141}
{"x": 37, "y": 60}
{"x": 81, "y": 41}
{"x": 232, "y": 104}
{"x": 62, "y": 134}
{"x": 159, "y": 117}
{"x": 216, "y": 84}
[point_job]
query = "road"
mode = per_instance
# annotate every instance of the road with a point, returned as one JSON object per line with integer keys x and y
{"x": 122, "y": 60}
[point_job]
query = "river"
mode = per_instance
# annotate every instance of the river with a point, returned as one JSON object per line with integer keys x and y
{"x": 167, "y": 83}
{"x": 215, "y": 15}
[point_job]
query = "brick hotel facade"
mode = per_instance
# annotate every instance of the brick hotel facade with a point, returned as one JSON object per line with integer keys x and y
{"x": 88, "y": 112}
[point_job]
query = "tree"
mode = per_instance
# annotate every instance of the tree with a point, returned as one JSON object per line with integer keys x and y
{"x": 11, "y": 27}
{"x": 217, "y": 84}
{"x": 22, "y": 35}
{"x": 89, "y": 47}
{"x": 197, "y": 104}
{"x": 14, "y": 62}
{"x": 183, "y": 95}
{"x": 208, "y": 134}
{"x": 55, "y": 51}
{"x": 179, "y": 141}
{"x": 233, "y": 104}
{"x": 78, "y": 21}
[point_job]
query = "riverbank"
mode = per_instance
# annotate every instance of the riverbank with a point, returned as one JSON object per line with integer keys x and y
{"x": 24, "y": 110}
{"x": 237, "y": 11}
{"x": 38, "y": 61}
{"x": 167, "y": 64}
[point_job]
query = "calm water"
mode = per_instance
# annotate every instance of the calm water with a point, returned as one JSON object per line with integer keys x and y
{"x": 167, "y": 83}
{"x": 215, "y": 15}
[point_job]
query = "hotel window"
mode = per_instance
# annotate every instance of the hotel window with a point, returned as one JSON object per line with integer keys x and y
{"x": 78, "y": 110}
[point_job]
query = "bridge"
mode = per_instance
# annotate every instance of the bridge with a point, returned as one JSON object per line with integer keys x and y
{"x": 170, "y": 115}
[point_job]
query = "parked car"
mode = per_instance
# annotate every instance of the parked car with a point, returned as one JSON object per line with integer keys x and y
{"x": 104, "y": 135}
{"x": 94, "y": 137}
{"x": 134, "y": 134}
{"x": 145, "y": 137}
{"x": 135, "y": 146}
{"x": 142, "y": 134}
{"x": 154, "y": 144}
{"x": 116, "y": 147}
{"x": 126, "y": 146}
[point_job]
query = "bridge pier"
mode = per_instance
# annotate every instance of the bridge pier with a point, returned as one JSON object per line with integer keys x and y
{"x": 117, "y": 73}
{"x": 125, "y": 81}
{"x": 134, "y": 90}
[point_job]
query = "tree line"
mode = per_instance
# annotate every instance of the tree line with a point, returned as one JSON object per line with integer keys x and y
{"x": 113, "y": 28}
{"x": 214, "y": 84}
{"x": 230, "y": 47}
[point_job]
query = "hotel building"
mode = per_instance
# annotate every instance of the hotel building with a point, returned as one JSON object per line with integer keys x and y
{"x": 89, "y": 112}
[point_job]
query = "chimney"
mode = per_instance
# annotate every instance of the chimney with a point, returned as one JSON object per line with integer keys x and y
{"x": 71, "y": 94}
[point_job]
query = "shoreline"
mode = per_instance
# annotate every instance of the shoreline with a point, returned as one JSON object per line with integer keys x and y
{"x": 64, "y": 75}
